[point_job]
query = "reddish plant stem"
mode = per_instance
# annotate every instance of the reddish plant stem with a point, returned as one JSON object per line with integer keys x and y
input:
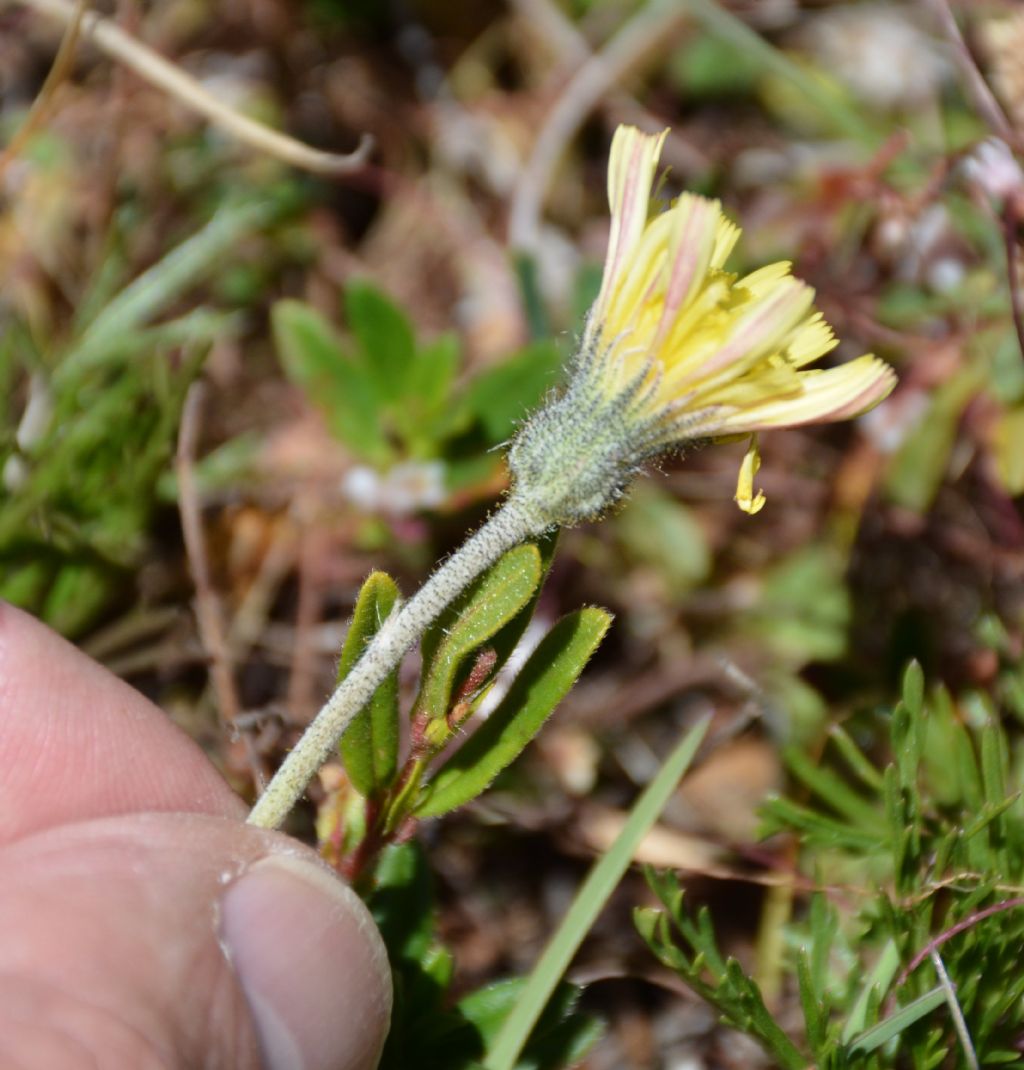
{"x": 1010, "y": 218}
{"x": 961, "y": 926}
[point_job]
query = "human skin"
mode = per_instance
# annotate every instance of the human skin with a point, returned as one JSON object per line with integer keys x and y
{"x": 142, "y": 923}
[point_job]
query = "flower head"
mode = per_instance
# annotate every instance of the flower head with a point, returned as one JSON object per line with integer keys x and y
{"x": 677, "y": 349}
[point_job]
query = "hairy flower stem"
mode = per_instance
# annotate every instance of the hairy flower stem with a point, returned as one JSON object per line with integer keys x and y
{"x": 514, "y": 522}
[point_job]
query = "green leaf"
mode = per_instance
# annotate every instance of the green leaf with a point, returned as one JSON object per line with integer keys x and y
{"x": 662, "y": 532}
{"x": 225, "y": 467}
{"x": 369, "y": 747}
{"x": 721, "y": 982}
{"x": 919, "y": 465}
{"x": 906, "y": 742}
{"x": 913, "y": 688}
{"x": 1002, "y": 347}
{"x": 1008, "y": 449}
{"x": 25, "y": 585}
{"x": 433, "y": 372}
{"x": 488, "y": 1007}
{"x": 751, "y": 1015}
{"x": 855, "y": 758}
{"x": 89, "y": 498}
{"x": 155, "y": 289}
{"x": 501, "y": 397}
{"x": 994, "y": 764}
{"x": 897, "y": 1022}
{"x": 944, "y": 736}
{"x": 200, "y": 327}
{"x": 966, "y": 768}
{"x": 402, "y": 903}
{"x": 78, "y": 591}
{"x": 824, "y": 924}
{"x": 426, "y": 416}
{"x": 780, "y": 814}
{"x": 832, "y": 103}
{"x": 487, "y": 605}
{"x": 313, "y": 359}
{"x": 988, "y": 816}
{"x": 385, "y": 337}
{"x": 804, "y": 609}
{"x": 527, "y": 275}
{"x": 709, "y": 66}
{"x": 803, "y": 711}
{"x": 543, "y": 682}
{"x": 593, "y": 894}
{"x": 815, "y": 1010}
{"x": 831, "y": 789}
{"x": 874, "y": 988}
{"x": 561, "y": 1036}
{"x": 507, "y": 639}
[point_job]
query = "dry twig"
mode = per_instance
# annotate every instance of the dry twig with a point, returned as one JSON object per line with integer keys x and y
{"x": 654, "y": 28}
{"x": 41, "y": 105}
{"x": 160, "y": 72}
{"x": 956, "y": 1012}
{"x": 551, "y": 27}
{"x": 991, "y": 111}
{"x": 208, "y": 617}
{"x": 977, "y": 88}
{"x": 302, "y": 698}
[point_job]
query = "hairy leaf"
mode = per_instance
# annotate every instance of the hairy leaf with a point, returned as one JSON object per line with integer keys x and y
{"x": 369, "y": 747}
{"x": 487, "y": 606}
{"x": 540, "y": 686}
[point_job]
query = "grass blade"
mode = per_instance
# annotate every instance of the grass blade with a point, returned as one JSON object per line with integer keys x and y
{"x": 164, "y": 282}
{"x": 594, "y": 892}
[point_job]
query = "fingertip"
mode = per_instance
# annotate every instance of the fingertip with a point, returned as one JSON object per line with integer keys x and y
{"x": 312, "y": 965}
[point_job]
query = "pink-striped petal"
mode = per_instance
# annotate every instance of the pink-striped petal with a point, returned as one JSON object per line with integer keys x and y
{"x": 834, "y": 394}
{"x": 631, "y": 165}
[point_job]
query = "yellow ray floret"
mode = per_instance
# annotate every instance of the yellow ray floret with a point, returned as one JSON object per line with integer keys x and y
{"x": 719, "y": 354}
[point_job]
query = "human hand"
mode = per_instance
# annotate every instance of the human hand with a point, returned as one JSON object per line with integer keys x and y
{"x": 142, "y": 924}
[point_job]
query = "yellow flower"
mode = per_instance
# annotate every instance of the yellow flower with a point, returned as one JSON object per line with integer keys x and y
{"x": 677, "y": 349}
{"x": 722, "y": 355}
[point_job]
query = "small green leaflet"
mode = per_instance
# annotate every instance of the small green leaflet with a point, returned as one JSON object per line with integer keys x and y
{"x": 489, "y": 604}
{"x": 369, "y": 748}
{"x": 541, "y": 684}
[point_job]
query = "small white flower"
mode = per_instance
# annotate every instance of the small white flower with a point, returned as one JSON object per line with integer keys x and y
{"x": 404, "y": 489}
{"x": 994, "y": 171}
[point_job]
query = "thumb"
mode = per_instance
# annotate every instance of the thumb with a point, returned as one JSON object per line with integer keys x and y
{"x": 180, "y": 940}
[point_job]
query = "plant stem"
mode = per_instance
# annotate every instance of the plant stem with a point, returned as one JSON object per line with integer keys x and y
{"x": 62, "y": 65}
{"x": 510, "y": 525}
{"x": 1010, "y": 219}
